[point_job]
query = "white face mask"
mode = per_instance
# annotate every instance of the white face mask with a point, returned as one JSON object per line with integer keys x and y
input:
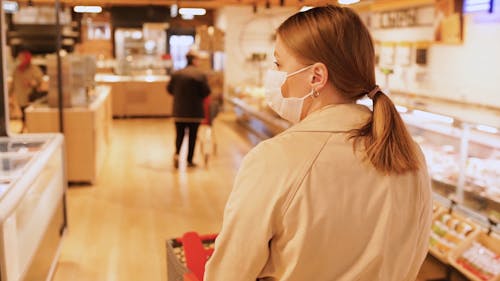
{"x": 288, "y": 108}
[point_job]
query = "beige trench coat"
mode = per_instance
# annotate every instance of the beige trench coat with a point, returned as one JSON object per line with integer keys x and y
{"x": 305, "y": 207}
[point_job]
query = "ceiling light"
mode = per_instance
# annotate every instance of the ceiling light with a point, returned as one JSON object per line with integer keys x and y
{"x": 174, "y": 9}
{"x": 305, "y": 8}
{"x": 187, "y": 17}
{"x": 136, "y": 35}
{"x": 192, "y": 11}
{"x": 10, "y": 6}
{"x": 210, "y": 30}
{"x": 348, "y": 2}
{"x": 87, "y": 9}
{"x": 478, "y": 6}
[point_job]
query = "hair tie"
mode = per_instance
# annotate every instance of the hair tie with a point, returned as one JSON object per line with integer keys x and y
{"x": 373, "y": 92}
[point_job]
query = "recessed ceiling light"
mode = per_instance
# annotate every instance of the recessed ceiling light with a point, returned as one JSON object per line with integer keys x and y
{"x": 348, "y": 2}
{"x": 87, "y": 9}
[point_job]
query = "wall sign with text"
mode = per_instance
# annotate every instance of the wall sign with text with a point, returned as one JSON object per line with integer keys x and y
{"x": 410, "y": 17}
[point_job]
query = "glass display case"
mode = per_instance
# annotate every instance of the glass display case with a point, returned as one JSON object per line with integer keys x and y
{"x": 463, "y": 159}
{"x": 32, "y": 216}
{"x": 141, "y": 51}
{"x": 462, "y": 147}
{"x": 14, "y": 155}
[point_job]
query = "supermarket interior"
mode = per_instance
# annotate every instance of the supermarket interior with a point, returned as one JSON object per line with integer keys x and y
{"x": 91, "y": 185}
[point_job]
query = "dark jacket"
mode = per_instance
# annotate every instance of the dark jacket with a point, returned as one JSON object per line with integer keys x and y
{"x": 189, "y": 87}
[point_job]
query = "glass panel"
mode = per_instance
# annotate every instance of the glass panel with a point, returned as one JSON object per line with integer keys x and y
{"x": 37, "y": 207}
{"x": 20, "y": 146}
{"x": 482, "y": 182}
{"x": 14, "y": 155}
{"x": 440, "y": 142}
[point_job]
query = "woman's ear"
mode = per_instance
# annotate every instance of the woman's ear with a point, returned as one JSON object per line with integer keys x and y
{"x": 319, "y": 77}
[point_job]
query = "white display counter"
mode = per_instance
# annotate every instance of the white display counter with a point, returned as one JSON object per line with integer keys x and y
{"x": 138, "y": 96}
{"x": 32, "y": 205}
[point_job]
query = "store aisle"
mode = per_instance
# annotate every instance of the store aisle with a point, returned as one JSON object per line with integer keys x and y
{"x": 118, "y": 227}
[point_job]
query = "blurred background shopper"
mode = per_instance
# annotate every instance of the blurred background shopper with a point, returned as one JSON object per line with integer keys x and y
{"x": 342, "y": 195}
{"x": 26, "y": 79}
{"x": 189, "y": 88}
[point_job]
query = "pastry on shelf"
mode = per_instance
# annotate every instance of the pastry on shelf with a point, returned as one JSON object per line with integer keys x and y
{"x": 478, "y": 258}
{"x": 447, "y": 232}
{"x": 480, "y": 261}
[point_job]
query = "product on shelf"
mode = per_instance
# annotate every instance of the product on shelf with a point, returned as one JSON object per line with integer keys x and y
{"x": 447, "y": 232}
{"x": 435, "y": 208}
{"x": 480, "y": 261}
{"x": 442, "y": 162}
{"x": 482, "y": 174}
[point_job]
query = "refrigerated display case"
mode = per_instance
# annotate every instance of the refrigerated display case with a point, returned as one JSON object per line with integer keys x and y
{"x": 32, "y": 206}
{"x": 461, "y": 142}
{"x": 463, "y": 159}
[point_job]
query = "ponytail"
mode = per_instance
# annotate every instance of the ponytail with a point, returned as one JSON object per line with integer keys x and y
{"x": 389, "y": 146}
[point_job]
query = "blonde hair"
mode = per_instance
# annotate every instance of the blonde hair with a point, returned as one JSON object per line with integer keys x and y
{"x": 336, "y": 37}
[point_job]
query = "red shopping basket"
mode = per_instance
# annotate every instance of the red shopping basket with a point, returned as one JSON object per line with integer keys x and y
{"x": 211, "y": 108}
{"x": 207, "y": 120}
{"x": 186, "y": 256}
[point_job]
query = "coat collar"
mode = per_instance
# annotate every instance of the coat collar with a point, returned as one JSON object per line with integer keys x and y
{"x": 334, "y": 118}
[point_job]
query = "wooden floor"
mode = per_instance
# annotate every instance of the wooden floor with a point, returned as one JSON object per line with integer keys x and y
{"x": 118, "y": 227}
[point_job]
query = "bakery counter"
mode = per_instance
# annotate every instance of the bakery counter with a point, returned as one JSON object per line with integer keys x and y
{"x": 136, "y": 96}
{"x": 32, "y": 205}
{"x": 87, "y": 131}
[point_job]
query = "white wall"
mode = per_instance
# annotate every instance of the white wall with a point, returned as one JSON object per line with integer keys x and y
{"x": 468, "y": 72}
{"x": 245, "y": 33}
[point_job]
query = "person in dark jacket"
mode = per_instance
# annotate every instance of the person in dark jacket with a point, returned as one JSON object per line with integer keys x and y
{"x": 188, "y": 86}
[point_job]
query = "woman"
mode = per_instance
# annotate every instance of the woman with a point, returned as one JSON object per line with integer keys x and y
{"x": 25, "y": 79}
{"x": 342, "y": 195}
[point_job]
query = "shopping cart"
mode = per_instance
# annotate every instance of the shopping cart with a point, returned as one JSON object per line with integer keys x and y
{"x": 186, "y": 256}
{"x": 206, "y": 137}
